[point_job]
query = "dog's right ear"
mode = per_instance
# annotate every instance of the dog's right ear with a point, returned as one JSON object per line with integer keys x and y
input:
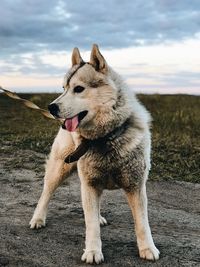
{"x": 76, "y": 57}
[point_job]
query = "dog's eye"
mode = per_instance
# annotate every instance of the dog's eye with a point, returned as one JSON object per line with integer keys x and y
{"x": 78, "y": 89}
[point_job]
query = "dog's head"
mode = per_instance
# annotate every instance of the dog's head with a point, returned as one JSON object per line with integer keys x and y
{"x": 88, "y": 92}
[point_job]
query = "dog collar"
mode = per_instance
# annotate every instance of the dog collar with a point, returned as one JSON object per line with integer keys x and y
{"x": 87, "y": 143}
{"x": 79, "y": 152}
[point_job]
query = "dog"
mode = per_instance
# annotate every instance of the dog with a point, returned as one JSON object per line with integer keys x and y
{"x": 106, "y": 135}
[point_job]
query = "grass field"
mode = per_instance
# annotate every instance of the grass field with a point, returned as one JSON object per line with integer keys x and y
{"x": 175, "y": 132}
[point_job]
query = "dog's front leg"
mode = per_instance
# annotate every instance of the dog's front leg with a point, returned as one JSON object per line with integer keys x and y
{"x": 54, "y": 175}
{"x": 90, "y": 202}
{"x": 138, "y": 203}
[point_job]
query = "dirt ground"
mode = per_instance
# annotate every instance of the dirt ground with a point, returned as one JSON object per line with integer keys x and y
{"x": 174, "y": 214}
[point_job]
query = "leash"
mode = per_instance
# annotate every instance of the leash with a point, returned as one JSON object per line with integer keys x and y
{"x": 29, "y": 104}
{"x": 86, "y": 143}
{"x": 80, "y": 150}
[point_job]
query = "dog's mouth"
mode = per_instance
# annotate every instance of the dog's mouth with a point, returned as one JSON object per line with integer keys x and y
{"x": 71, "y": 124}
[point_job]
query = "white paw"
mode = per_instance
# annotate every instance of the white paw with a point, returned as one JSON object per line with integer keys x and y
{"x": 102, "y": 221}
{"x": 92, "y": 256}
{"x": 37, "y": 223}
{"x": 151, "y": 253}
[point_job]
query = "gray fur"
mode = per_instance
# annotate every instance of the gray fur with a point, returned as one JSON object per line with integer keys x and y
{"x": 106, "y": 167}
{"x": 118, "y": 129}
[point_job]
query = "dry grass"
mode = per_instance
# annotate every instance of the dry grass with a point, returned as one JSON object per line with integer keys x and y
{"x": 176, "y": 131}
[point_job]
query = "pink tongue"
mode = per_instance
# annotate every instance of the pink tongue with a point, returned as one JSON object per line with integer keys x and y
{"x": 71, "y": 124}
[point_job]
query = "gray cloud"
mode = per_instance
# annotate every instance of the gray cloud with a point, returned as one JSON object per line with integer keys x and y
{"x": 34, "y": 26}
{"x": 29, "y": 26}
{"x": 34, "y": 66}
{"x": 181, "y": 78}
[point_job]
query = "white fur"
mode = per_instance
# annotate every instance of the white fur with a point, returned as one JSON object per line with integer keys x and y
{"x": 138, "y": 204}
{"x": 66, "y": 142}
{"x": 55, "y": 170}
{"x": 54, "y": 175}
{"x": 91, "y": 207}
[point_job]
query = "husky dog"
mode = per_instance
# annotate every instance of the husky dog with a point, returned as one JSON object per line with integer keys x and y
{"x": 106, "y": 133}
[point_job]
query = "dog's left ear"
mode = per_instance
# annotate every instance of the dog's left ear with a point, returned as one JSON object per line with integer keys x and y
{"x": 76, "y": 57}
{"x": 97, "y": 60}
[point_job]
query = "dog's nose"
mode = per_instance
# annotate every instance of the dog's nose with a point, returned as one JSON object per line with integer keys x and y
{"x": 54, "y": 109}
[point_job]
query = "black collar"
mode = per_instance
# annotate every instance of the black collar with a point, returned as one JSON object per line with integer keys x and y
{"x": 87, "y": 143}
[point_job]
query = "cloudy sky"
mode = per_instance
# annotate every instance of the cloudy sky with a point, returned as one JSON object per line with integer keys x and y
{"x": 154, "y": 44}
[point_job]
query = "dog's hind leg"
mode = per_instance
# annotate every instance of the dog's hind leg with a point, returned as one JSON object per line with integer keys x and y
{"x": 55, "y": 173}
{"x": 138, "y": 203}
{"x": 102, "y": 220}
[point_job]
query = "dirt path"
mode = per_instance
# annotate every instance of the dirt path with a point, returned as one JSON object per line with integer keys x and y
{"x": 174, "y": 213}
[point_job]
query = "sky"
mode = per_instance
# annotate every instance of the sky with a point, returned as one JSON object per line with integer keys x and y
{"x": 154, "y": 44}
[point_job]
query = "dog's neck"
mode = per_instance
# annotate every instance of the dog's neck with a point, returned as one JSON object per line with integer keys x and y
{"x": 85, "y": 144}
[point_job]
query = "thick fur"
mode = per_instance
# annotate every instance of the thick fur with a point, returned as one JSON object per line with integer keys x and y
{"x": 122, "y": 162}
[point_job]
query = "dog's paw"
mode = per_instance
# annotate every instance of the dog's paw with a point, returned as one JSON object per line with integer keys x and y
{"x": 37, "y": 223}
{"x": 92, "y": 256}
{"x": 151, "y": 253}
{"x": 102, "y": 221}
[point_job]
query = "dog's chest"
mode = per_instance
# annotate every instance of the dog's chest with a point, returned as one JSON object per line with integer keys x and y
{"x": 106, "y": 169}
{"x": 100, "y": 175}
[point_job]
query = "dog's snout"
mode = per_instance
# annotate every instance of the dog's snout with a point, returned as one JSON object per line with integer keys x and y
{"x": 54, "y": 109}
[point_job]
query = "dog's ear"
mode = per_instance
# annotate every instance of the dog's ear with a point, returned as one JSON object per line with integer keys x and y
{"x": 76, "y": 57}
{"x": 97, "y": 60}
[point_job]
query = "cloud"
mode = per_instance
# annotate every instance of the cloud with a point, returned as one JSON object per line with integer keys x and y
{"x": 36, "y": 37}
{"x": 29, "y": 26}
